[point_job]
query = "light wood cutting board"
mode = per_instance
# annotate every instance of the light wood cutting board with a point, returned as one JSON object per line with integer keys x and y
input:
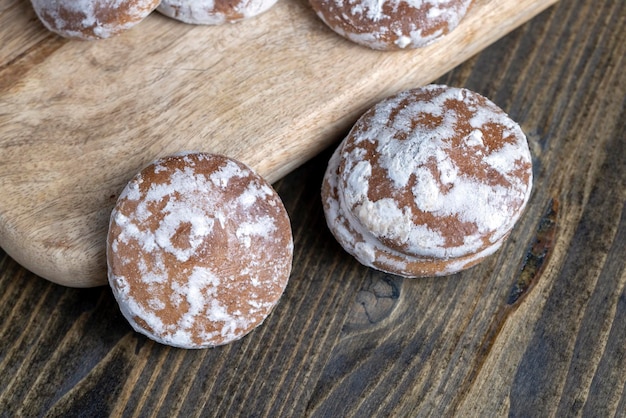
{"x": 79, "y": 119}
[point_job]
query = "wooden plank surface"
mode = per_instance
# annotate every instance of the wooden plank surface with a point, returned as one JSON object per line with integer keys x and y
{"x": 79, "y": 119}
{"x": 348, "y": 341}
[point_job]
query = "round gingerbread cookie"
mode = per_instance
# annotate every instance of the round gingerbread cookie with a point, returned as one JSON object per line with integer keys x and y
{"x": 391, "y": 24}
{"x": 428, "y": 182}
{"x": 199, "y": 250}
{"x": 213, "y": 12}
{"x": 92, "y": 19}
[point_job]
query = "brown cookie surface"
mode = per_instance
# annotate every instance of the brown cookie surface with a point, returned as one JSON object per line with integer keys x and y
{"x": 199, "y": 250}
{"x": 428, "y": 182}
{"x": 92, "y": 19}
{"x": 391, "y": 24}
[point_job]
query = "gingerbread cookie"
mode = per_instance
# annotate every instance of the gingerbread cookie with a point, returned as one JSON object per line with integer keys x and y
{"x": 213, "y": 12}
{"x": 391, "y": 24}
{"x": 199, "y": 250}
{"x": 428, "y": 182}
{"x": 92, "y": 19}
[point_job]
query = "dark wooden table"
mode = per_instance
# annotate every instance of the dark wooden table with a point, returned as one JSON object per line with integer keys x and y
{"x": 539, "y": 329}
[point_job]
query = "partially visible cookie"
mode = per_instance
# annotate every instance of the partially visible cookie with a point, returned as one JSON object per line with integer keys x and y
{"x": 428, "y": 182}
{"x": 199, "y": 250}
{"x": 391, "y": 24}
{"x": 213, "y": 12}
{"x": 92, "y": 19}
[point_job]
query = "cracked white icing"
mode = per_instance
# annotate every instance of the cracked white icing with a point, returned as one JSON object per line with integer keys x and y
{"x": 391, "y": 24}
{"x": 199, "y": 250}
{"x": 426, "y": 177}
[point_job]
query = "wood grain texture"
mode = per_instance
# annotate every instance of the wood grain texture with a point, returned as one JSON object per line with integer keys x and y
{"x": 352, "y": 342}
{"x": 79, "y": 119}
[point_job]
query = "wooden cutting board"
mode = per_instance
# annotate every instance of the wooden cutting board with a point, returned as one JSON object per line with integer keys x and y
{"x": 79, "y": 119}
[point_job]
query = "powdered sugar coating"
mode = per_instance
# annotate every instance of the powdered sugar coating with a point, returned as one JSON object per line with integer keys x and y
{"x": 92, "y": 19}
{"x": 213, "y": 12}
{"x": 391, "y": 24}
{"x": 199, "y": 250}
{"x": 428, "y": 182}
